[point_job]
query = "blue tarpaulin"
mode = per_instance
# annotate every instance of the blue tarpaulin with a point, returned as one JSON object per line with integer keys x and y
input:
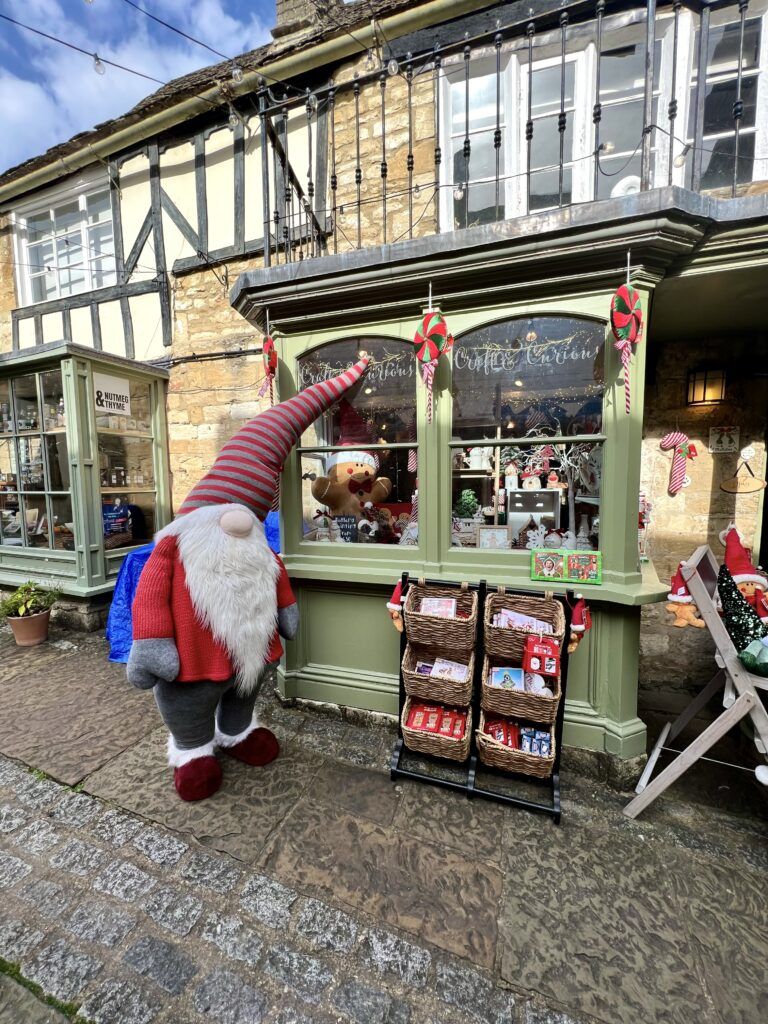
{"x": 119, "y": 624}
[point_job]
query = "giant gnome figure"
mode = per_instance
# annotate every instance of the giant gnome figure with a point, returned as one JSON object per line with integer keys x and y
{"x": 213, "y": 598}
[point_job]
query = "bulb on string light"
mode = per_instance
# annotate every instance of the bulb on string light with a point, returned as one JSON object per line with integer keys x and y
{"x": 417, "y": 190}
{"x": 98, "y": 66}
{"x": 89, "y": 2}
{"x": 679, "y": 160}
{"x": 234, "y": 120}
{"x": 393, "y": 67}
{"x": 518, "y": 383}
{"x": 312, "y": 101}
{"x": 370, "y": 62}
{"x": 458, "y": 193}
{"x": 237, "y": 74}
{"x": 607, "y": 147}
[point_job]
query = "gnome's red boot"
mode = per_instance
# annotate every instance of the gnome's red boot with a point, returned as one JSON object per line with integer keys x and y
{"x": 258, "y": 747}
{"x": 196, "y": 773}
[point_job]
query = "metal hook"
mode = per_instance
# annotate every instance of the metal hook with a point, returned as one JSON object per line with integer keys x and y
{"x": 267, "y": 321}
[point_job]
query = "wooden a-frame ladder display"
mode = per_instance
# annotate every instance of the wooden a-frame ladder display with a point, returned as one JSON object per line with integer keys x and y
{"x": 741, "y": 698}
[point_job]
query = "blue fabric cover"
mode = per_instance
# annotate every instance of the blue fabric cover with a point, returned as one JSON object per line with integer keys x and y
{"x": 119, "y": 623}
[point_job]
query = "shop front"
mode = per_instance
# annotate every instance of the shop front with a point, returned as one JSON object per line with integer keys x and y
{"x": 528, "y": 446}
{"x": 83, "y": 466}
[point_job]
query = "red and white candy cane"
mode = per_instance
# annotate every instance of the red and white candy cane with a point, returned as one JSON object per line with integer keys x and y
{"x": 680, "y": 443}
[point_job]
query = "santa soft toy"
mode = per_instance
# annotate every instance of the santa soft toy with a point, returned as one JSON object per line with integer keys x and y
{"x": 752, "y": 584}
{"x": 213, "y": 598}
{"x": 352, "y": 482}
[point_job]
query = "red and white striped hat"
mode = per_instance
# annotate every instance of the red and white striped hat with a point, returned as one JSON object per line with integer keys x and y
{"x": 247, "y": 469}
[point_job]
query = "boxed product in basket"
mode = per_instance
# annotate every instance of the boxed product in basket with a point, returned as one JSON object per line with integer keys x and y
{"x": 428, "y": 621}
{"x": 437, "y": 730}
{"x": 514, "y": 746}
{"x": 433, "y": 674}
{"x": 505, "y": 635}
{"x": 515, "y": 691}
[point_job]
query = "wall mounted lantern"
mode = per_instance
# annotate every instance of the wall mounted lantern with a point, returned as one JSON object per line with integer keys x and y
{"x": 706, "y": 387}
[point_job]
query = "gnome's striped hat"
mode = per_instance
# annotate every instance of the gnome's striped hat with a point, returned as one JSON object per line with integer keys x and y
{"x": 247, "y": 469}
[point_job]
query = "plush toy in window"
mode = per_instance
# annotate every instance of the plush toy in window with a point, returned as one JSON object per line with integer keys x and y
{"x": 213, "y": 597}
{"x": 352, "y": 481}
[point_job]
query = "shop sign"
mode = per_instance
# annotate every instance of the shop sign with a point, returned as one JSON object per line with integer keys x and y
{"x": 112, "y": 394}
{"x": 347, "y": 528}
{"x": 723, "y": 440}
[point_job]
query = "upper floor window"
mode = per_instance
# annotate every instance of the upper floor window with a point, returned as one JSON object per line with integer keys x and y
{"x": 65, "y": 247}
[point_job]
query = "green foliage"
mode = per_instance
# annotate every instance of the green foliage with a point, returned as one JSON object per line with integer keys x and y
{"x": 29, "y": 599}
{"x": 466, "y": 505}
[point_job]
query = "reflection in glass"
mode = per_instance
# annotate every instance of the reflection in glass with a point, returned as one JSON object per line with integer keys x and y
{"x": 11, "y": 531}
{"x": 54, "y": 417}
{"x": 545, "y": 495}
{"x": 482, "y": 103}
{"x": 518, "y": 378}
{"x": 31, "y": 470}
{"x": 125, "y": 462}
{"x": 63, "y": 522}
{"x": 128, "y": 518}
{"x": 8, "y": 471}
{"x": 35, "y": 516}
{"x": 58, "y": 461}
{"x": 25, "y": 395}
{"x": 6, "y": 408}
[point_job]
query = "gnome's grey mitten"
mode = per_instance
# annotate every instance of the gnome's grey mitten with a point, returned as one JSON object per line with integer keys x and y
{"x": 152, "y": 660}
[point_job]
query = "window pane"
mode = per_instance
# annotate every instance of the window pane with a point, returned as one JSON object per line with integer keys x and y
{"x": 69, "y": 250}
{"x": 40, "y": 256}
{"x": 129, "y": 518}
{"x": 8, "y": 471}
{"x": 39, "y": 225}
{"x": 54, "y": 417}
{"x": 98, "y": 208}
{"x": 66, "y": 217}
{"x": 6, "y": 410}
{"x": 58, "y": 462}
{"x": 619, "y": 176}
{"x": 718, "y": 105}
{"x": 100, "y": 240}
{"x": 31, "y": 463}
{"x": 545, "y": 189}
{"x": 482, "y": 204}
{"x": 545, "y": 144}
{"x": 622, "y": 125}
{"x": 11, "y": 533}
{"x": 63, "y": 522}
{"x": 141, "y": 412}
{"x": 125, "y": 462}
{"x": 72, "y": 281}
{"x": 622, "y": 71}
{"x": 384, "y": 402}
{"x": 543, "y": 375}
{"x": 546, "y": 88}
{"x": 538, "y": 496}
{"x": 482, "y": 103}
{"x": 25, "y": 395}
{"x": 36, "y": 519}
{"x": 482, "y": 158}
{"x": 371, "y": 498}
{"x": 103, "y": 272}
{"x": 717, "y": 161}
{"x": 43, "y": 287}
{"x": 724, "y": 46}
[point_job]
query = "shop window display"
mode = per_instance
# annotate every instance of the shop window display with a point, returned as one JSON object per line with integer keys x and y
{"x": 359, "y": 460}
{"x": 527, "y": 401}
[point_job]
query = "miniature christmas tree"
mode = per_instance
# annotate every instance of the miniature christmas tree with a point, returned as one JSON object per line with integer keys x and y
{"x": 740, "y": 619}
{"x": 466, "y": 505}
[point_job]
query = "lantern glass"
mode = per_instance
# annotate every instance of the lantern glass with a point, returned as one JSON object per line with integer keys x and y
{"x": 706, "y": 387}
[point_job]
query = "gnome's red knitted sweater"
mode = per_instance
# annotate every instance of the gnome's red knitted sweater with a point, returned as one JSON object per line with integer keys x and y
{"x": 163, "y": 608}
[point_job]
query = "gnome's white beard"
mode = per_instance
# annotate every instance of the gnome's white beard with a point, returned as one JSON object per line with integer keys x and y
{"x": 232, "y": 582}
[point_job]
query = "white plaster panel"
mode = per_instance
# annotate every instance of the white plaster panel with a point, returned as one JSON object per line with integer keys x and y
{"x": 177, "y": 177}
{"x": 82, "y": 334}
{"x": 27, "y": 332}
{"x": 147, "y": 327}
{"x": 53, "y": 327}
{"x": 112, "y": 334}
{"x": 220, "y": 187}
{"x": 134, "y": 205}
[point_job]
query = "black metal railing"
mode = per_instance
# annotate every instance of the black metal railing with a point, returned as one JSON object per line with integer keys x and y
{"x": 509, "y": 136}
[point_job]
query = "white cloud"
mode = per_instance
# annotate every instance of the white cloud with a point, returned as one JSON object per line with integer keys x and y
{"x": 61, "y": 94}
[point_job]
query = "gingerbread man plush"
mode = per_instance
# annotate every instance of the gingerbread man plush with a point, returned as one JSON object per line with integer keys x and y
{"x": 352, "y": 481}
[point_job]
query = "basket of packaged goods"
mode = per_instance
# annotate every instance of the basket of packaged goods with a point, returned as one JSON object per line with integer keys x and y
{"x": 516, "y": 747}
{"x": 511, "y": 618}
{"x": 444, "y": 617}
{"x": 515, "y": 692}
{"x": 439, "y": 675}
{"x": 436, "y": 730}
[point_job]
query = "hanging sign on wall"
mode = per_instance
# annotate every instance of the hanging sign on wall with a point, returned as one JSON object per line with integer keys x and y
{"x": 723, "y": 440}
{"x": 112, "y": 394}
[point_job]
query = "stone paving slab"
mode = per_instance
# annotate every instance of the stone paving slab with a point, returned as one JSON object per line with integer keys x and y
{"x": 19, "y": 1006}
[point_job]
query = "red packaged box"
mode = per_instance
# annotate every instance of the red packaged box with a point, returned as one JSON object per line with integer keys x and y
{"x": 542, "y": 655}
{"x": 459, "y": 725}
{"x": 513, "y": 735}
{"x": 417, "y": 716}
{"x": 446, "y": 723}
{"x": 434, "y": 718}
{"x": 496, "y": 728}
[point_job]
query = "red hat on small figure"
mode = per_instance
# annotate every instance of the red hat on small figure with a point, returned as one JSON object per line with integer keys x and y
{"x": 681, "y": 603}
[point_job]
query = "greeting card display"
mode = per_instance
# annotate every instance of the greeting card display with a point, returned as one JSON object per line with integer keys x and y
{"x": 542, "y": 655}
{"x": 557, "y": 565}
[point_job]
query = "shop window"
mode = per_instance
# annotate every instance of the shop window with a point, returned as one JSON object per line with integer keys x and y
{"x": 35, "y": 506}
{"x": 527, "y": 401}
{"x": 66, "y": 247}
{"x": 127, "y": 471}
{"x": 364, "y": 491}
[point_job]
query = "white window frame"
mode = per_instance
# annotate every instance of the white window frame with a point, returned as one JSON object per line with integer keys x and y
{"x": 49, "y": 202}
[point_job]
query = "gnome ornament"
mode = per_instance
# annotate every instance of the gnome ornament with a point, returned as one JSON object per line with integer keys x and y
{"x": 752, "y": 584}
{"x": 352, "y": 481}
{"x": 395, "y": 606}
{"x": 681, "y": 603}
{"x": 581, "y": 622}
{"x": 213, "y": 599}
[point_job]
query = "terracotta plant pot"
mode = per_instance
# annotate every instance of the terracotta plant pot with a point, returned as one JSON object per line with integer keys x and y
{"x": 30, "y": 630}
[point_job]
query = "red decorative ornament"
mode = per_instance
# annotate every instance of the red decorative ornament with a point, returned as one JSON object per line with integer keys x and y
{"x": 627, "y": 327}
{"x": 431, "y": 340}
{"x": 269, "y": 355}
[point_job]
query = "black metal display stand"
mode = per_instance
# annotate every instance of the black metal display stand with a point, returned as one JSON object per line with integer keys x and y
{"x": 470, "y": 786}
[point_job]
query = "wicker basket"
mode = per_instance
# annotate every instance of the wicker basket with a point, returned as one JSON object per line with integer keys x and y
{"x": 508, "y": 644}
{"x": 455, "y": 634}
{"x": 532, "y": 707}
{"x": 498, "y": 755}
{"x": 434, "y": 688}
{"x": 434, "y": 744}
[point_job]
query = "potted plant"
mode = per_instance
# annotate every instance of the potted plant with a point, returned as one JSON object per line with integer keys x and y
{"x": 28, "y": 611}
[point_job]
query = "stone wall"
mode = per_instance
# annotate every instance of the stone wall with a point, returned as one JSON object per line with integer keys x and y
{"x": 675, "y": 662}
{"x": 7, "y": 284}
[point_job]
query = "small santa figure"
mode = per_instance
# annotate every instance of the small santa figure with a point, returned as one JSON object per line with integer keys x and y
{"x": 581, "y": 622}
{"x": 752, "y": 583}
{"x": 214, "y": 599}
{"x": 681, "y": 603}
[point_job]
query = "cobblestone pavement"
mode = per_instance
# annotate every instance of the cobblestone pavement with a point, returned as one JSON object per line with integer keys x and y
{"x": 316, "y": 891}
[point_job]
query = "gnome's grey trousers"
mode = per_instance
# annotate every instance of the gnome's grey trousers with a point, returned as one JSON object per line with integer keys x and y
{"x": 192, "y": 711}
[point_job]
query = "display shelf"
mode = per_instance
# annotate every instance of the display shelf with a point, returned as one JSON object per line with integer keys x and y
{"x": 469, "y": 786}
{"x": 128, "y": 489}
{"x": 125, "y": 433}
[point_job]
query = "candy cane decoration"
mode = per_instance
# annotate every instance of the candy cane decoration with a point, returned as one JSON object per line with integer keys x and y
{"x": 683, "y": 450}
{"x": 431, "y": 340}
{"x": 627, "y": 327}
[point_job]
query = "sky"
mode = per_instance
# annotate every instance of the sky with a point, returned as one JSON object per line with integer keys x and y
{"x": 49, "y": 93}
